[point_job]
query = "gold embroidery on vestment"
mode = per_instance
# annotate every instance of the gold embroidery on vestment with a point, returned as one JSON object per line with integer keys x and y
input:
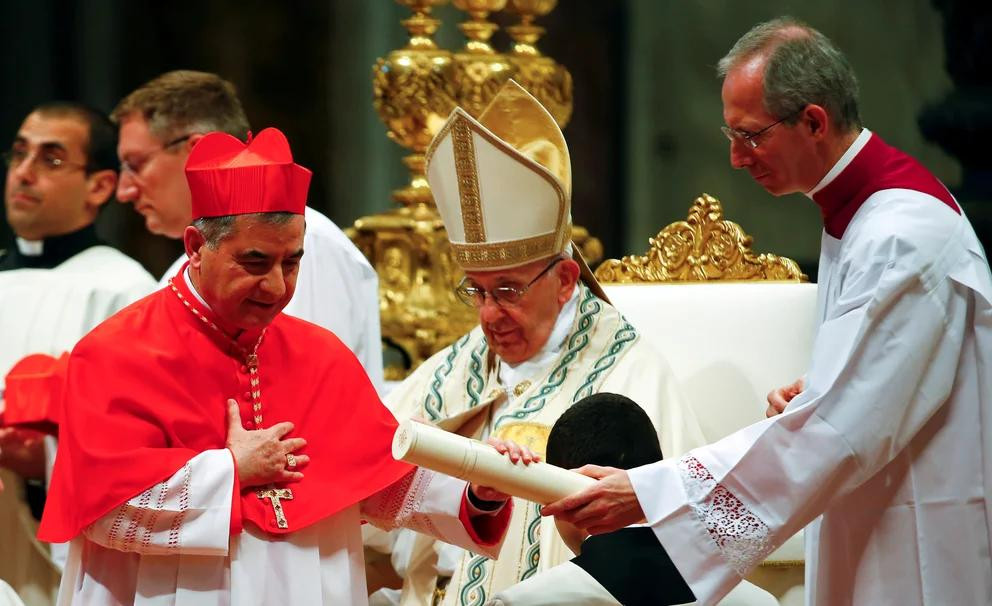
{"x": 468, "y": 181}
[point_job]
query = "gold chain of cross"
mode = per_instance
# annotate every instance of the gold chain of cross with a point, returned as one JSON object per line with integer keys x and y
{"x": 251, "y": 359}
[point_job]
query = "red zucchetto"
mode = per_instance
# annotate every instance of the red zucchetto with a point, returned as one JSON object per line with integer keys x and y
{"x": 229, "y": 177}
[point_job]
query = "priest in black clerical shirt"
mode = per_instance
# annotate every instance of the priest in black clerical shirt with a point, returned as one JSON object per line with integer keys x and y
{"x": 61, "y": 168}
{"x": 57, "y": 281}
{"x": 49, "y": 252}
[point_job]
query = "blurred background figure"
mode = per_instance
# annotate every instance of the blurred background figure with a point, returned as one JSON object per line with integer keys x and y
{"x": 57, "y": 281}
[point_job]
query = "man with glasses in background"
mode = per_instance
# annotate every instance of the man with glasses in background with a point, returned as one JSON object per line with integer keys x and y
{"x": 547, "y": 336}
{"x": 160, "y": 122}
{"x": 57, "y": 281}
{"x": 884, "y": 447}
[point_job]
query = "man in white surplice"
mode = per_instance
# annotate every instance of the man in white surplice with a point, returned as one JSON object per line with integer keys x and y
{"x": 214, "y": 450}
{"x": 57, "y": 281}
{"x": 160, "y": 122}
{"x": 887, "y": 441}
{"x": 547, "y": 335}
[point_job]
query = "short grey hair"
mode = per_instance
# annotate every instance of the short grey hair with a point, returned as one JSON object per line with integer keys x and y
{"x": 215, "y": 229}
{"x": 803, "y": 67}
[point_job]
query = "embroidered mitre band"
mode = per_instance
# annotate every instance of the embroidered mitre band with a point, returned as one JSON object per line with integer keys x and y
{"x": 502, "y": 183}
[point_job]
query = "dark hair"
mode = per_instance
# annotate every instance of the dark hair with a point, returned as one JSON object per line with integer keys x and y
{"x": 185, "y": 101}
{"x": 101, "y": 143}
{"x": 604, "y": 429}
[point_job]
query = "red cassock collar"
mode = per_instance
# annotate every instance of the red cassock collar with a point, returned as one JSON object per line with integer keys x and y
{"x": 146, "y": 391}
{"x": 876, "y": 167}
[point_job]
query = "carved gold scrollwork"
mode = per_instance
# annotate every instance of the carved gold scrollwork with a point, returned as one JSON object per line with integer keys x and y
{"x": 703, "y": 247}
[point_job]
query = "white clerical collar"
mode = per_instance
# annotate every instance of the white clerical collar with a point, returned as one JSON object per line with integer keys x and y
{"x": 512, "y": 374}
{"x": 841, "y": 164}
{"x": 192, "y": 289}
{"x": 30, "y": 248}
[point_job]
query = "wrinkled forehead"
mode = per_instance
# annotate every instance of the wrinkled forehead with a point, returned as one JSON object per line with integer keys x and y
{"x": 515, "y": 276}
{"x": 268, "y": 231}
{"x": 743, "y": 92}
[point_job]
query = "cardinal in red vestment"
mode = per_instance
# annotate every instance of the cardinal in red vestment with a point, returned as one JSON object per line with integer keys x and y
{"x": 214, "y": 450}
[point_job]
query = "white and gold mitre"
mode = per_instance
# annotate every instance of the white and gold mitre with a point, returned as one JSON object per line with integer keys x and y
{"x": 502, "y": 183}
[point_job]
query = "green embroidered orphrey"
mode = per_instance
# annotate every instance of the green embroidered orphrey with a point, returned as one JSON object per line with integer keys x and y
{"x": 460, "y": 385}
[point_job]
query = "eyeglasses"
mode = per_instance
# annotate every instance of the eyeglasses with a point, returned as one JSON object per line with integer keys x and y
{"x": 135, "y": 168}
{"x": 751, "y": 139}
{"x": 46, "y": 160}
{"x": 504, "y": 296}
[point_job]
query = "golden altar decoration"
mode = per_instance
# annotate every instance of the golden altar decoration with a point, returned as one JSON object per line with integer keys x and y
{"x": 414, "y": 90}
{"x": 548, "y": 81}
{"x": 704, "y": 247}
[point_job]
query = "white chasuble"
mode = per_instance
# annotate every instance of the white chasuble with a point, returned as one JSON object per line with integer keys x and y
{"x": 888, "y": 448}
{"x": 460, "y": 389}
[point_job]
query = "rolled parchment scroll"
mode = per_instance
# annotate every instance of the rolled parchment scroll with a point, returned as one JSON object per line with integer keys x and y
{"x": 477, "y": 462}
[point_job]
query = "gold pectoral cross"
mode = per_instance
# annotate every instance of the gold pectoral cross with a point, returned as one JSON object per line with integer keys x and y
{"x": 275, "y": 496}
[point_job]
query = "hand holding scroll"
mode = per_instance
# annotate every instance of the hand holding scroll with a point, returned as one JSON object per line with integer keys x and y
{"x": 482, "y": 464}
{"x": 517, "y": 454}
{"x": 609, "y": 504}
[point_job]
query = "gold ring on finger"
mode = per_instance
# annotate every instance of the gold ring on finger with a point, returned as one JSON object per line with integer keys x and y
{"x": 290, "y": 461}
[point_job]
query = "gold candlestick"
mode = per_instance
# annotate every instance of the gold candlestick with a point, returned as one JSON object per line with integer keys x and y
{"x": 412, "y": 94}
{"x": 408, "y": 246}
{"x": 478, "y": 70}
{"x": 542, "y": 76}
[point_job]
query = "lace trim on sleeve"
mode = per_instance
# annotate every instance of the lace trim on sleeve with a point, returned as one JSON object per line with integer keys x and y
{"x": 143, "y": 517}
{"x": 742, "y": 538}
{"x": 397, "y": 505}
